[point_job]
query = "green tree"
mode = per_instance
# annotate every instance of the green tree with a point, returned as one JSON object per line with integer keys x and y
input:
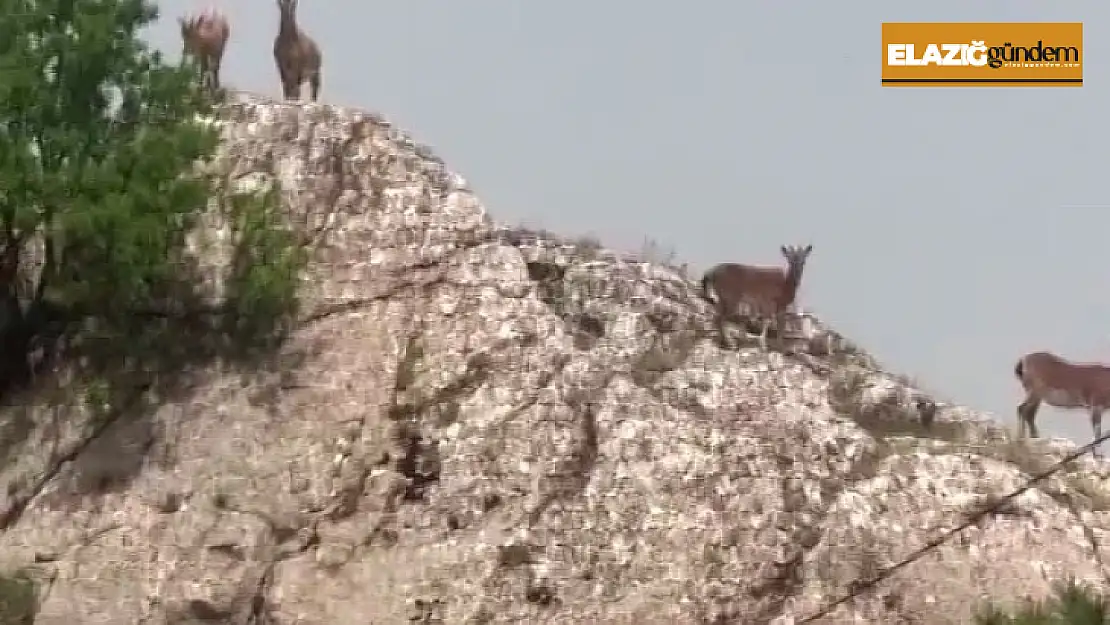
{"x": 99, "y": 139}
{"x": 1072, "y": 604}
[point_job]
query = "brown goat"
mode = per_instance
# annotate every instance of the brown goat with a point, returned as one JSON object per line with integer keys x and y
{"x": 297, "y": 55}
{"x": 1047, "y": 377}
{"x": 204, "y": 37}
{"x": 768, "y": 291}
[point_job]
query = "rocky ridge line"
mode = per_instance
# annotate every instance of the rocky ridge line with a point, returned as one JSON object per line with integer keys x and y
{"x": 476, "y": 424}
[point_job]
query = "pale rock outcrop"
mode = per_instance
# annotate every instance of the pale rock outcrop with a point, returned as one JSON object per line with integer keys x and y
{"x": 475, "y": 424}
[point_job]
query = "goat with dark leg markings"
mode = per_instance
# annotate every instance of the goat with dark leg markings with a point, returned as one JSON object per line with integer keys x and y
{"x": 1057, "y": 382}
{"x": 297, "y": 55}
{"x": 767, "y": 291}
{"x": 204, "y": 36}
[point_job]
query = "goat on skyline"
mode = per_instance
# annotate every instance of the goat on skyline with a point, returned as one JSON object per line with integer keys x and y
{"x": 767, "y": 291}
{"x": 204, "y": 36}
{"x": 1057, "y": 382}
{"x": 297, "y": 55}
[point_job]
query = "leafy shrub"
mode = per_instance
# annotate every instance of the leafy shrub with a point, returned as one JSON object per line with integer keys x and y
{"x": 1072, "y": 604}
{"x": 17, "y": 600}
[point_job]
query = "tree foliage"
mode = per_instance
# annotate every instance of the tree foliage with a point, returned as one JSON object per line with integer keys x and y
{"x": 99, "y": 143}
{"x": 1072, "y": 604}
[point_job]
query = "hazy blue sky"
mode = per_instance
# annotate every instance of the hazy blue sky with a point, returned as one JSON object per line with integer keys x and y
{"x": 953, "y": 229}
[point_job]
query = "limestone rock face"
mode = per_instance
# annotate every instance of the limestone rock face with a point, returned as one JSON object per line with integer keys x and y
{"x": 476, "y": 424}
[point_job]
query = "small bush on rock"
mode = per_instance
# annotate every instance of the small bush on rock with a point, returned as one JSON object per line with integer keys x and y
{"x": 17, "y": 600}
{"x": 1072, "y": 604}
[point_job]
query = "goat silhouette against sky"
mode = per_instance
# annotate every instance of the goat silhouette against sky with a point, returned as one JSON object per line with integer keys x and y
{"x": 767, "y": 291}
{"x": 1047, "y": 377}
{"x": 297, "y": 55}
{"x": 204, "y": 36}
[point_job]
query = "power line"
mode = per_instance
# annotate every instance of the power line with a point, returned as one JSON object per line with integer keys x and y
{"x": 858, "y": 587}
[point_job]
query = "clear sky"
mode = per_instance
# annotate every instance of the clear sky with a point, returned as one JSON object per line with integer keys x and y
{"x": 953, "y": 229}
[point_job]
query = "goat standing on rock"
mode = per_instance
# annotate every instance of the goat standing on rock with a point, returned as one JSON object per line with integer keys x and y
{"x": 297, "y": 55}
{"x": 204, "y": 37}
{"x": 1047, "y": 377}
{"x": 768, "y": 291}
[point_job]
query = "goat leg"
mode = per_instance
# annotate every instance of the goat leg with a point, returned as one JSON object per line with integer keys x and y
{"x": 216, "y": 74}
{"x": 722, "y": 337}
{"x": 763, "y": 333}
{"x": 287, "y": 89}
{"x": 1027, "y": 417}
{"x": 1096, "y": 426}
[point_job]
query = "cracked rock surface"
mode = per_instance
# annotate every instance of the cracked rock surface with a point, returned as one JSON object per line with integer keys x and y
{"x": 476, "y": 424}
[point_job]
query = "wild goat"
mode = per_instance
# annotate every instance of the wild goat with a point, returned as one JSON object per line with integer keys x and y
{"x": 768, "y": 291}
{"x": 204, "y": 37}
{"x": 1047, "y": 377}
{"x": 297, "y": 55}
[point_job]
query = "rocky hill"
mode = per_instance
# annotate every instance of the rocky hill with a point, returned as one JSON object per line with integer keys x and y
{"x": 475, "y": 424}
